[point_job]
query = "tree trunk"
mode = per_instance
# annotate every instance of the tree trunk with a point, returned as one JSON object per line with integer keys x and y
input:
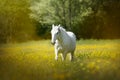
{"x": 64, "y": 14}
{"x": 70, "y": 16}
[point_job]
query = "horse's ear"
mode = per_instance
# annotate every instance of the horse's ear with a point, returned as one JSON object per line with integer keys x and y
{"x": 59, "y": 25}
{"x": 53, "y": 25}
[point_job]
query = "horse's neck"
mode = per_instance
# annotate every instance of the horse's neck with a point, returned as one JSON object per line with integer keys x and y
{"x": 62, "y": 38}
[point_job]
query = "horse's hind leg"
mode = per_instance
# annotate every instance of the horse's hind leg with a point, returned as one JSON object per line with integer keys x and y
{"x": 71, "y": 56}
{"x": 63, "y": 56}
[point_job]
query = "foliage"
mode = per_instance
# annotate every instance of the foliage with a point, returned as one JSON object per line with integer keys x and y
{"x": 22, "y": 20}
{"x": 86, "y": 18}
{"x": 69, "y": 13}
{"x": 34, "y": 60}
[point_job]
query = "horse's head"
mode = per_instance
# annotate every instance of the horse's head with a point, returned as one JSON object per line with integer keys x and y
{"x": 55, "y": 33}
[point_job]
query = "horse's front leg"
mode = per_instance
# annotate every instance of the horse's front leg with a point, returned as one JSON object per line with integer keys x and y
{"x": 56, "y": 54}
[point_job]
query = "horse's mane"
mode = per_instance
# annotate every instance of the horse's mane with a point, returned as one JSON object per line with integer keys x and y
{"x": 61, "y": 28}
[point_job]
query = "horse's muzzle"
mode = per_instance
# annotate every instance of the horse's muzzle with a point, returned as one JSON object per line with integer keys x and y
{"x": 52, "y": 43}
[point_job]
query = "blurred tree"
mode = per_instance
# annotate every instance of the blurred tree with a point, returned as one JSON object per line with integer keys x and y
{"x": 69, "y": 13}
{"x": 15, "y": 24}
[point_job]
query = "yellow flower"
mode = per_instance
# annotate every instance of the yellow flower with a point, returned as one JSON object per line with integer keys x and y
{"x": 98, "y": 61}
{"x": 91, "y": 65}
{"x": 81, "y": 64}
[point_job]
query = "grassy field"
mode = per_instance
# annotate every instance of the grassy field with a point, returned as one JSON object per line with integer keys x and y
{"x": 34, "y": 60}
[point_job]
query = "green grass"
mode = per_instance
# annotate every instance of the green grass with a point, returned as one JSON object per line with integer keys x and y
{"x": 34, "y": 60}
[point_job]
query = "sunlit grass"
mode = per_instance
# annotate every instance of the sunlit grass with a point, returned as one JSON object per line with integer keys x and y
{"x": 34, "y": 60}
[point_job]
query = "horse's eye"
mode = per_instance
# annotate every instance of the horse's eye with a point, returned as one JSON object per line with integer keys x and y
{"x": 57, "y": 32}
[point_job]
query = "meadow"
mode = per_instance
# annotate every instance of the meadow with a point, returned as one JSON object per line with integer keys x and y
{"x": 34, "y": 60}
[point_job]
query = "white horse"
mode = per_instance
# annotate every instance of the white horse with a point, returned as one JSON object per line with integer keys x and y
{"x": 64, "y": 42}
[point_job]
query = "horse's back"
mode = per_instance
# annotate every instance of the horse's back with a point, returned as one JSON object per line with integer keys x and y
{"x": 72, "y": 35}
